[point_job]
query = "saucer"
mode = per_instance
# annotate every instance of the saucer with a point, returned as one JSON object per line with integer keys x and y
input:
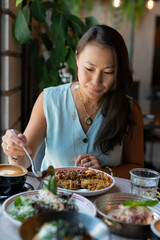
{"x": 25, "y": 187}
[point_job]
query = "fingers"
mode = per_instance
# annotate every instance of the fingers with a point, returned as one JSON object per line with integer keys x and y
{"x": 13, "y": 145}
{"x": 87, "y": 160}
{"x": 80, "y": 158}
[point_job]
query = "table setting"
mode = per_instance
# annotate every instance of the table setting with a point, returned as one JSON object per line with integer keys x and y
{"x": 92, "y": 205}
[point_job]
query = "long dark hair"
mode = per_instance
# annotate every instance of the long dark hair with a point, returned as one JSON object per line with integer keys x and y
{"x": 116, "y": 108}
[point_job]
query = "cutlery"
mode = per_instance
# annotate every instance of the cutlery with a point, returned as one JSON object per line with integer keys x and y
{"x": 32, "y": 164}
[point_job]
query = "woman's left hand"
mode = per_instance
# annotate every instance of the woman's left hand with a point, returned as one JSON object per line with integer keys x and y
{"x": 87, "y": 160}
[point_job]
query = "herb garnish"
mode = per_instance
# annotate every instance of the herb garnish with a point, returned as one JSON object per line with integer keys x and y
{"x": 52, "y": 182}
{"x": 149, "y": 203}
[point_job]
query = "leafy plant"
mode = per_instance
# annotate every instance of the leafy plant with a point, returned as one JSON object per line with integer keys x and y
{"x": 52, "y": 38}
{"x": 52, "y": 182}
{"x": 125, "y": 9}
{"x": 139, "y": 10}
{"x": 150, "y": 203}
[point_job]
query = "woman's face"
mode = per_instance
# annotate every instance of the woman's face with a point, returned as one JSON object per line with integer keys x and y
{"x": 96, "y": 71}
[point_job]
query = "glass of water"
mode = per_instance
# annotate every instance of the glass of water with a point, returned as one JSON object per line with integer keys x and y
{"x": 143, "y": 179}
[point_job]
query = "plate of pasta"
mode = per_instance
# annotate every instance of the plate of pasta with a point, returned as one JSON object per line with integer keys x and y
{"x": 83, "y": 181}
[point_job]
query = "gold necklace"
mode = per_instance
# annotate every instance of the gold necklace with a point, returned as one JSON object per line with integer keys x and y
{"x": 88, "y": 120}
{"x": 73, "y": 117}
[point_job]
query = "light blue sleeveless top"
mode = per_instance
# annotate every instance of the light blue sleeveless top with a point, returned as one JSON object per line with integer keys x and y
{"x": 64, "y": 134}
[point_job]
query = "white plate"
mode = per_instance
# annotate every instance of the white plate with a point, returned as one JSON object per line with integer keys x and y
{"x": 84, "y": 205}
{"x": 87, "y": 192}
{"x": 154, "y": 229}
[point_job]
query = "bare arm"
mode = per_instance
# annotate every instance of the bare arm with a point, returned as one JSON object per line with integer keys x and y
{"x": 32, "y": 137}
{"x": 35, "y": 131}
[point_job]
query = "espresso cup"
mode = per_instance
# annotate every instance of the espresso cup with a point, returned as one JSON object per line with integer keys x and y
{"x": 143, "y": 180}
{"x": 12, "y": 178}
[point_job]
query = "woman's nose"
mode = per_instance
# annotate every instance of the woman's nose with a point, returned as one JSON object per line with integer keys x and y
{"x": 96, "y": 78}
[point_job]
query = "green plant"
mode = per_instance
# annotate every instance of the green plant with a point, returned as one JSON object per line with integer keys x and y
{"x": 125, "y": 9}
{"x": 52, "y": 38}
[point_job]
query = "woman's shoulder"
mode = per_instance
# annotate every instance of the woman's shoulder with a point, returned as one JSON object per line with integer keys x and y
{"x": 57, "y": 89}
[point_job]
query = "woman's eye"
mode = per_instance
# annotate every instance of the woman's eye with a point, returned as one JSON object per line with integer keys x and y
{"x": 109, "y": 72}
{"x": 89, "y": 69}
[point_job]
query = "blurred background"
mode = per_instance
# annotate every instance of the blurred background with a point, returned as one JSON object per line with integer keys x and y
{"x": 37, "y": 42}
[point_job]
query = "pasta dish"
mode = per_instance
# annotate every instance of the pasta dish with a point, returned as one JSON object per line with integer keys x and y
{"x": 83, "y": 179}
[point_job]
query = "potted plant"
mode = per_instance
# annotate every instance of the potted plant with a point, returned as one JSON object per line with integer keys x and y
{"x": 52, "y": 33}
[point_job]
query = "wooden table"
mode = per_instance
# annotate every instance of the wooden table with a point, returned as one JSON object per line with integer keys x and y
{"x": 10, "y": 232}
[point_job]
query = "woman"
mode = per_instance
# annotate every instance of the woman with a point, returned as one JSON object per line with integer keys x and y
{"x": 91, "y": 122}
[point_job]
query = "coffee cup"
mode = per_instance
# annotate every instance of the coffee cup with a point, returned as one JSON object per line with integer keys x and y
{"x": 12, "y": 178}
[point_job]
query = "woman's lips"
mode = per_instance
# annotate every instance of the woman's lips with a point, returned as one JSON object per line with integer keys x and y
{"x": 95, "y": 90}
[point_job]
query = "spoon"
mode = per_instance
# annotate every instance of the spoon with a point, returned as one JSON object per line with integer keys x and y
{"x": 32, "y": 164}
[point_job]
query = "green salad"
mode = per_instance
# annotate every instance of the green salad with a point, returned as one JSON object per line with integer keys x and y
{"x": 46, "y": 199}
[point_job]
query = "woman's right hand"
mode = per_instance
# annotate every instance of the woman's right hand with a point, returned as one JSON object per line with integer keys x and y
{"x": 13, "y": 145}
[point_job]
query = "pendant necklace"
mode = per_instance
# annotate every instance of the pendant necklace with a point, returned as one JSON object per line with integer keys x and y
{"x": 88, "y": 120}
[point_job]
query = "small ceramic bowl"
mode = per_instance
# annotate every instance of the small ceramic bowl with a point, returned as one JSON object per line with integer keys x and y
{"x": 12, "y": 178}
{"x": 155, "y": 227}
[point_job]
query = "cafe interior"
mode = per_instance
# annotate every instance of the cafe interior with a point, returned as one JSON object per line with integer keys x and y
{"x": 138, "y": 21}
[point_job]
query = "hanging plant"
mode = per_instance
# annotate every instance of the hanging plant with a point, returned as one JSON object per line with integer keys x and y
{"x": 125, "y": 9}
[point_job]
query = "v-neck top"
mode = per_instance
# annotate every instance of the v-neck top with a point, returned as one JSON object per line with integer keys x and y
{"x": 65, "y": 138}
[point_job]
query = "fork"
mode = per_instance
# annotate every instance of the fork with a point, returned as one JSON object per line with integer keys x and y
{"x": 32, "y": 164}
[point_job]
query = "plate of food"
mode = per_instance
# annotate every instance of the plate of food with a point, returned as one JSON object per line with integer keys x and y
{"x": 128, "y": 215}
{"x": 64, "y": 225}
{"x": 155, "y": 228}
{"x": 83, "y": 181}
{"x": 23, "y": 205}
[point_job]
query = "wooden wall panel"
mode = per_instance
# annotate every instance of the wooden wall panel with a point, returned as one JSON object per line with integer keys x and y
{"x": 7, "y": 40}
{"x": 11, "y": 73}
{"x": 11, "y": 110}
{"x": 11, "y": 5}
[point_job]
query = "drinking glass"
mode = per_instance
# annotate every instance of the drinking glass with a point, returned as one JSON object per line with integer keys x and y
{"x": 143, "y": 179}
